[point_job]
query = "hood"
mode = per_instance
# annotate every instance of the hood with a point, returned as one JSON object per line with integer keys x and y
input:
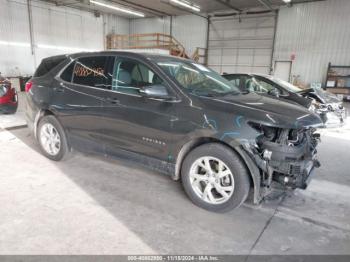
{"x": 264, "y": 110}
{"x": 324, "y": 97}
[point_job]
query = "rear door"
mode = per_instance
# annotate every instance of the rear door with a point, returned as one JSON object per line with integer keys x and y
{"x": 78, "y": 97}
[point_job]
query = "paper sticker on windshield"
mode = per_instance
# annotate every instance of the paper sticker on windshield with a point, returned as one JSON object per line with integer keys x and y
{"x": 200, "y": 67}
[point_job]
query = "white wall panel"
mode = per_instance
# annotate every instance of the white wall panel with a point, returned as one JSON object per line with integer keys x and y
{"x": 15, "y": 53}
{"x": 191, "y": 31}
{"x": 317, "y": 33}
{"x": 56, "y": 30}
{"x": 150, "y": 25}
{"x": 117, "y": 25}
{"x": 60, "y": 30}
{"x": 241, "y": 45}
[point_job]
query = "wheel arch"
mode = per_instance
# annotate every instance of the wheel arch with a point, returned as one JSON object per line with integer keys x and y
{"x": 253, "y": 170}
{"x": 41, "y": 113}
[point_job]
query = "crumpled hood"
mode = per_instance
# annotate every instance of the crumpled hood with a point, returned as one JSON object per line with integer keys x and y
{"x": 265, "y": 110}
{"x": 324, "y": 96}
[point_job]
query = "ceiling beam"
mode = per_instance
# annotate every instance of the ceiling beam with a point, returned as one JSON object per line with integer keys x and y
{"x": 67, "y": 2}
{"x": 228, "y": 4}
{"x": 266, "y": 3}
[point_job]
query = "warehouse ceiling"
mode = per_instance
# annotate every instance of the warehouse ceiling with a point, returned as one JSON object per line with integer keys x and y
{"x": 153, "y": 8}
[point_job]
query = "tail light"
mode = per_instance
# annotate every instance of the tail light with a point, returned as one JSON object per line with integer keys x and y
{"x": 28, "y": 86}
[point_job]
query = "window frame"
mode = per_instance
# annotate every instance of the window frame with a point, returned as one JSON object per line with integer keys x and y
{"x": 76, "y": 61}
{"x": 112, "y": 59}
{"x": 151, "y": 68}
{"x": 275, "y": 85}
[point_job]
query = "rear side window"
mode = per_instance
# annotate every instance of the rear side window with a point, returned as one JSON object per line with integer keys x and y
{"x": 90, "y": 71}
{"x": 68, "y": 73}
{"x": 47, "y": 65}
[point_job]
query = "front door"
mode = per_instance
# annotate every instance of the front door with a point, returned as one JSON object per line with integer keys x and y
{"x": 134, "y": 122}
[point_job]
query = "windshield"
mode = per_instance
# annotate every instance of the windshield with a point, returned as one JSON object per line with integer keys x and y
{"x": 196, "y": 78}
{"x": 286, "y": 85}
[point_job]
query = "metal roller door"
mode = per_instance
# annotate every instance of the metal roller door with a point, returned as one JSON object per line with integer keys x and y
{"x": 245, "y": 44}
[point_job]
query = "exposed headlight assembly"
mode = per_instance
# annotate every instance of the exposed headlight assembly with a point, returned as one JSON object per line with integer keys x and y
{"x": 317, "y": 107}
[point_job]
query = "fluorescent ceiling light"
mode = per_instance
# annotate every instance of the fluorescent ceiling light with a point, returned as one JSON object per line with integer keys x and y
{"x": 21, "y": 44}
{"x": 44, "y": 46}
{"x": 187, "y": 5}
{"x": 120, "y": 9}
{"x": 287, "y": 1}
{"x": 64, "y": 48}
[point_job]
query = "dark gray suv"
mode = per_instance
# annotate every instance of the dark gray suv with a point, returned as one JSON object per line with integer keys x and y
{"x": 175, "y": 116}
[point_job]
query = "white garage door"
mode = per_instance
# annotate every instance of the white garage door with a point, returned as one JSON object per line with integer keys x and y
{"x": 241, "y": 45}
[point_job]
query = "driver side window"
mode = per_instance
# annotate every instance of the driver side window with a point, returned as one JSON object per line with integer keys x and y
{"x": 257, "y": 85}
{"x": 129, "y": 76}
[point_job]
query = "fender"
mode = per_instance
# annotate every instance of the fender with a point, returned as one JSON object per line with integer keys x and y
{"x": 250, "y": 164}
{"x": 254, "y": 173}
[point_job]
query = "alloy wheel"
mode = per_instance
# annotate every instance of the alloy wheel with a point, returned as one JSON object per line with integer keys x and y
{"x": 50, "y": 139}
{"x": 212, "y": 180}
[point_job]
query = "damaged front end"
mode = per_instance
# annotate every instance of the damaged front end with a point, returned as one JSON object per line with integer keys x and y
{"x": 286, "y": 157}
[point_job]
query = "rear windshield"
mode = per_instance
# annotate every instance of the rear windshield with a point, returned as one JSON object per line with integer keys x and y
{"x": 48, "y": 64}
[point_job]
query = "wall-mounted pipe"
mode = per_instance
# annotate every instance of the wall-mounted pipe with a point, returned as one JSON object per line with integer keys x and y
{"x": 274, "y": 41}
{"x": 31, "y": 34}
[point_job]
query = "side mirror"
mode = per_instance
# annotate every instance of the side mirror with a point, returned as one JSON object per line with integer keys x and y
{"x": 156, "y": 91}
{"x": 274, "y": 92}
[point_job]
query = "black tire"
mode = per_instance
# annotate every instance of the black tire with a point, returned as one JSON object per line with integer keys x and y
{"x": 64, "y": 149}
{"x": 232, "y": 161}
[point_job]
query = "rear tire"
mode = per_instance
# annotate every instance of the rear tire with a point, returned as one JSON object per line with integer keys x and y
{"x": 52, "y": 139}
{"x": 215, "y": 178}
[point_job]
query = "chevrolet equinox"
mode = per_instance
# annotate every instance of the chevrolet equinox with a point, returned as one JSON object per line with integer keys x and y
{"x": 175, "y": 116}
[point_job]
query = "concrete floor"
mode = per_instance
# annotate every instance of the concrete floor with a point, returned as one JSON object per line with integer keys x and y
{"x": 89, "y": 205}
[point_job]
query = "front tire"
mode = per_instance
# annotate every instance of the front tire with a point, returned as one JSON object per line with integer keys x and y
{"x": 215, "y": 178}
{"x": 52, "y": 139}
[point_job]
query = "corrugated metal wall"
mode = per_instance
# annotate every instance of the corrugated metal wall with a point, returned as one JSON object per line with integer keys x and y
{"x": 317, "y": 33}
{"x": 116, "y": 24}
{"x": 56, "y": 30}
{"x": 242, "y": 44}
{"x": 190, "y": 30}
{"x": 15, "y": 54}
{"x": 63, "y": 30}
{"x": 150, "y": 25}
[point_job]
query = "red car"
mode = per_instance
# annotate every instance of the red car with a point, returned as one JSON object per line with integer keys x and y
{"x": 8, "y": 98}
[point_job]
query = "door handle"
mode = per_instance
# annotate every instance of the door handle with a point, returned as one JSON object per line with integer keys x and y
{"x": 112, "y": 100}
{"x": 59, "y": 89}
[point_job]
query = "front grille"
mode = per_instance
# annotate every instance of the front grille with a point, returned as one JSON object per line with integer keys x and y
{"x": 294, "y": 169}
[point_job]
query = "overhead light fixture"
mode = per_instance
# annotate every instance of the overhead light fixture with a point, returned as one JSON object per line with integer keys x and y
{"x": 65, "y": 48}
{"x": 187, "y": 4}
{"x": 117, "y": 8}
{"x": 19, "y": 44}
{"x": 287, "y": 1}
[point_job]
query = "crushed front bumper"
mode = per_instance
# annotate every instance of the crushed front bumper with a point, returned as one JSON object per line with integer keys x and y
{"x": 283, "y": 164}
{"x": 295, "y": 174}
